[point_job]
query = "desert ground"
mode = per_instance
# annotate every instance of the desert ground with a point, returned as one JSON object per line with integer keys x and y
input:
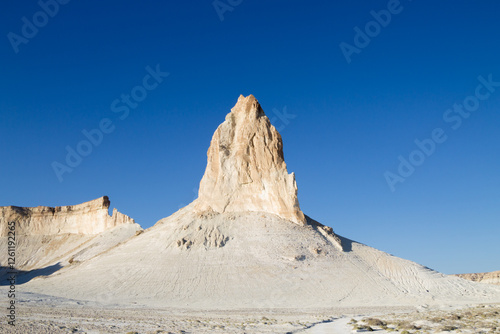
{"x": 44, "y": 314}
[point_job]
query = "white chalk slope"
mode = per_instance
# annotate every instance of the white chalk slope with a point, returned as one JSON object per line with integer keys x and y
{"x": 253, "y": 260}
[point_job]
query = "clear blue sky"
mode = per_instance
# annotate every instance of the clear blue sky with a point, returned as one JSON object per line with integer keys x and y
{"x": 352, "y": 120}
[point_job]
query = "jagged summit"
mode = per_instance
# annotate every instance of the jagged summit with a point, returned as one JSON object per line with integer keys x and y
{"x": 246, "y": 170}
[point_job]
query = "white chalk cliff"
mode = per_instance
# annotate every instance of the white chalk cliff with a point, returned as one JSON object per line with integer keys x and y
{"x": 87, "y": 218}
{"x": 59, "y": 236}
{"x": 246, "y": 170}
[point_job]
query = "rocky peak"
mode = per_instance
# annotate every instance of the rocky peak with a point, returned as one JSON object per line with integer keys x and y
{"x": 246, "y": 170}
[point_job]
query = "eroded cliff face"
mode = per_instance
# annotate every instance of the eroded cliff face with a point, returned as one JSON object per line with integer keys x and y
{"x": 88, "y": 218}
{"x": 246, "y": 170}
{"x": 490, "y": 278}
{"x": 53, "y": 239}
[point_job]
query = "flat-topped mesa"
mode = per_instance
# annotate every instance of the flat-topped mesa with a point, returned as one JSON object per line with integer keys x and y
{"x": 87, "y": 218}
{"x": 246, "y": 170}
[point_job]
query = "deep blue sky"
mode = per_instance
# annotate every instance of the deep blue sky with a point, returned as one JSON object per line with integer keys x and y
{"x": 352, "y": 120}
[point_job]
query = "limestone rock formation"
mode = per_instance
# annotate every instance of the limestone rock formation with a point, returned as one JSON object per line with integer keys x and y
{"x": 87, "y": 218}
{"x": 235, "y": 247}
{"x": 48, "y": 239}
{"x": 489, "y": 278}
{"x": 246, "y": 170}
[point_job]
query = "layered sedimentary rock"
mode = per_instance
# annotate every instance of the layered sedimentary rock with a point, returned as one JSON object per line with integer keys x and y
{"x": 489, "y": 278}
{"x": 245, "y": 169}
{"x": 48, "y": 239}
{"x": 87, "y": 218}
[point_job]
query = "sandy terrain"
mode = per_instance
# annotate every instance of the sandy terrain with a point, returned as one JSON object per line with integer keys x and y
{"x": 43, "y": 314}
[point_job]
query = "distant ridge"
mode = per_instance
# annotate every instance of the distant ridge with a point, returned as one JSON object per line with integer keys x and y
{"x": 489, "y": 278}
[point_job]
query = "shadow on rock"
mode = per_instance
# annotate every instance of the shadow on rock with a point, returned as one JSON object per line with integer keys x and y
{"x": 24, "y": 276}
